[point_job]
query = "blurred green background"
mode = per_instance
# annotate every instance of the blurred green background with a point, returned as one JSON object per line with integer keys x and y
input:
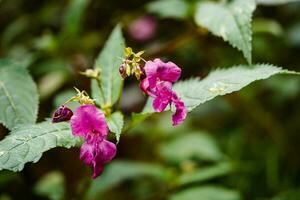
{"x": 241, "y": 146}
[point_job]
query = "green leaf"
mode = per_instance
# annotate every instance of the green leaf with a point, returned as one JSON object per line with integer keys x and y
{"x": 119, "y": 171}
{"x": 206, "y": 193}
{"x": 109, "y": 61}
{"x": 169, "y": 8}
{"x": 115, "y": 124}
{"x": 223, "y": 81}
{"x": 18, "y": 95}
{"x": 275, "y": 2}
{"x": 231, "y": 21}
{"x": 191, "y": 146}
{"x": 205, "y": 173}
{"x": 52, "y": 185}
{"x": 27, "y": 143}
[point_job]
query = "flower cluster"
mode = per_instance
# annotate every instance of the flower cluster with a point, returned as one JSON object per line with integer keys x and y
{"x": 157, "y": 79}
{"x": 158, "y": 84}
{"x": 89, "y": 123}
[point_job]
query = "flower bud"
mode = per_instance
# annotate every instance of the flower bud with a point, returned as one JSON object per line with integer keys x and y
{"x": 91, "y": 73}
{"x": 122, "y": 71}
{"x": 63, "y": 113}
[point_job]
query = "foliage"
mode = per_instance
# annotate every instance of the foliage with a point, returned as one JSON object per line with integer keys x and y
{"x": 27, "y": 143}
{"x": 108, "y": 62}
{"x": 240, "y": 146}
{"x": 19, "y": 101}
{"x": 231, "y": 21}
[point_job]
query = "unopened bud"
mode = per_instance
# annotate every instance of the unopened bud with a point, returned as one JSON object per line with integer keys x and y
{"x": 63, "y": 113}
{"x": 91, "y": 73}
{"x": 122, "y": 71}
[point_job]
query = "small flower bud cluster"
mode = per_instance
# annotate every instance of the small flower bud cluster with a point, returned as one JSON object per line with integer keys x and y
{"x": 91, "y": 73}
{"x": 156, "y": 80}
{"x": 131, "y": 64}
{"x": 82, "y": 97}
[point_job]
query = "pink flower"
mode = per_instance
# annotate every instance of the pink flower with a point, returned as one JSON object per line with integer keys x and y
{"x": 143, "y": 28}
{"x": 158, "y": 83}
{"x": 89, "y": 123}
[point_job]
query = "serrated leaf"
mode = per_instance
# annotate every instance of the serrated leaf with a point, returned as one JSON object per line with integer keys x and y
{"x": 205, "y": 173}
{"x": 119, "y": 171}
{"x": 115, "y": 124}
{"x": 223, "y": 81}
{"x": 18, "y": 95}
{"x": 169, "y": 8}
{"x": 275, "y": 2}
{"x": 28, "y": 143}
{"x": 206, "y": 193}
{"x": 220, "y": 82}
{"x": 200, "y": 146}
{"x": 109, "y": 61}
{"x": 231, "y": 21}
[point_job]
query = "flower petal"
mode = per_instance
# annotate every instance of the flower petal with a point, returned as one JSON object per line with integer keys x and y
{"x": 167, "y": 71}
{"x": 150, "y": 68}
{"x": 105, "y": 153}
{"x": 87, "y": 153}
{"x": 163, "y": 96}
{"x": 87, "y": 120}
{"x": 180, "y": 114}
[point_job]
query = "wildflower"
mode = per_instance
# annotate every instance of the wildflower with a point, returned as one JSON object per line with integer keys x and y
{"x": 158, "y": 83}
{"x": 88, "y": 122}
{"x": 63, "y": 113}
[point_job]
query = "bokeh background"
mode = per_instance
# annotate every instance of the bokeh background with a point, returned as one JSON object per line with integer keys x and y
{"x": 245, "y": 145}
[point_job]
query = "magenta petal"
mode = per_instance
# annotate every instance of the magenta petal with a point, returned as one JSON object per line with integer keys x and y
{"x": 87, "y": 120}
{"x": 98, "y": 169}
{"x": 163, "y": 96}
{"x": 87, "y": 153}
{"x": 145, "y": 87}
{"x": 150, "y": 68}
{"x": 159, "y": 104}
{"x": 167, "y": 71}
{"x": 105, "y": 153}
{"x": 181, "y": 111}
{"x": 97, "y": 154}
